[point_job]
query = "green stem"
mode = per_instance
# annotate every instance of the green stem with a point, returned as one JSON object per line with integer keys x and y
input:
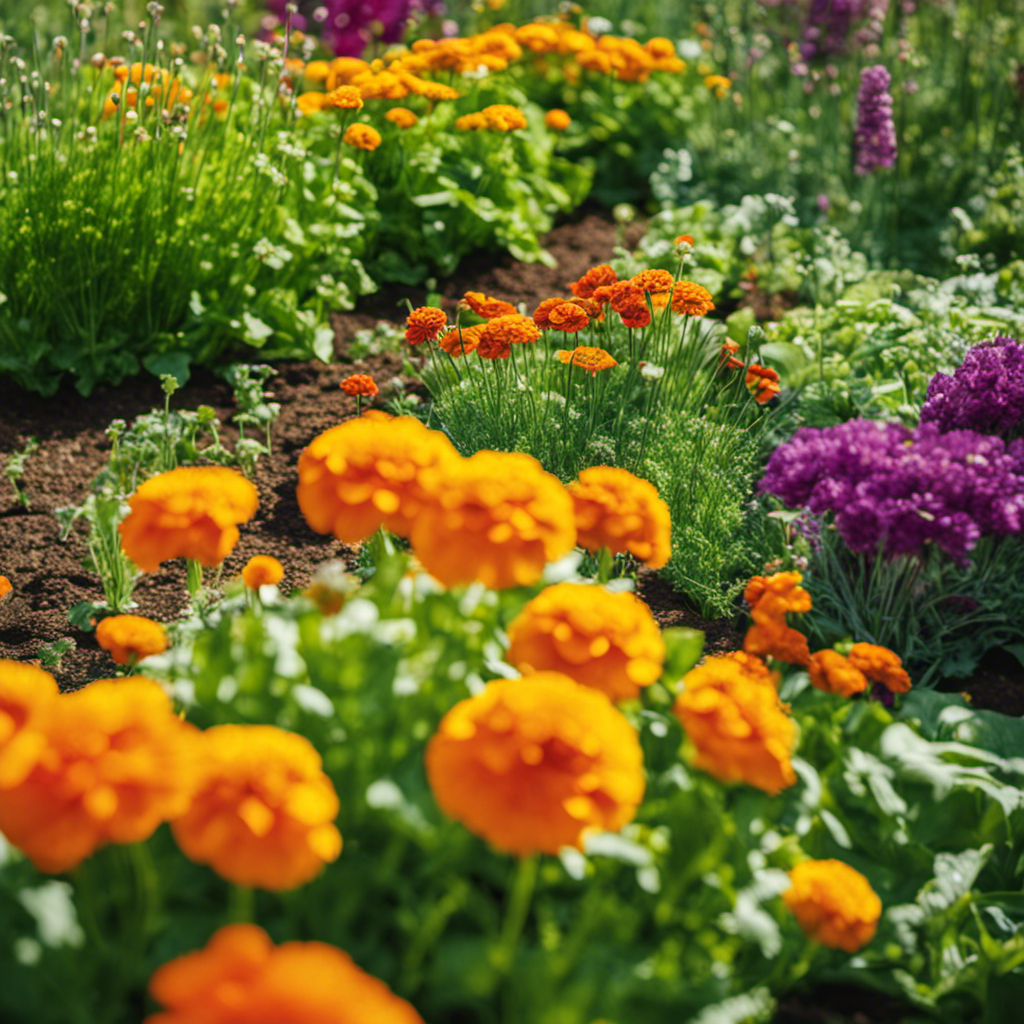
{"x": 194, "y": 576}
{"x": 517, "y": 909}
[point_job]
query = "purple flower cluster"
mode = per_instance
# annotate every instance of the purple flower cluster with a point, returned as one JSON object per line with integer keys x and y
{"x": 827, "y": 27}
{"x": 888, "y": 486}
{"x": 985, "y": 393}
{"x": 348, "y": 27}
{"x": 875, "y": 135}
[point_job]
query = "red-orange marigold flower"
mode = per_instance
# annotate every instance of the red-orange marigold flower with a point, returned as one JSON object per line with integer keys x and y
{"x": 130, "y": 637}
{"x": 568, "y": 317}
{"x": 689, "y": 299}
{"x": 831, "y": 672}
{"x": 424, "y": 324}
{"x": 368, "y": 473}
{"x": 762, "y": 383}
{"x": 497, "y": 518}
{"x": 117, "y": 762}
{"x": 834, "y": 904}
{"x": 594, "y": 278}
{"x": 737, "y": 724}
{"x": 779, "y": 641}
{"x": 488, "y": 308}
{"x": 533, "y": 764}
{"x": 461, "y": 341}
{"x": 653, "y": 281}
{"x": 500, "y": 334}
{"x": 262, "y": 570}
{"x": 360, "y": 384}
{"x": 880, "y": 665}
{"x": 263, "y": 813}
{"x": 616, "y": 510}
{"x": 587, "y": 358}
{"x": 541, "y": 315}
{"x": 240, "y": 977}
{"x": 192, "y": 512}
{"x": 607, "y": 641}
{"x": 593, "y": 309}
{"x": 362, "y": 136}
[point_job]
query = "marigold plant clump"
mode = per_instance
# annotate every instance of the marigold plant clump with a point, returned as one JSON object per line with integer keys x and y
{"x": 607, "y": 641}
{"x": 192, "y": 512}
{"x": 616, "y": 510}
{"x": 130, "y": 638}
{"x": 366, "y": 473}
{"x": 533, "y": 764}
{"x": 241, "y": 977}
{"x": 263, "y": 813}
{"x": 116, "y": 762}
{"x": 834, "y": 904}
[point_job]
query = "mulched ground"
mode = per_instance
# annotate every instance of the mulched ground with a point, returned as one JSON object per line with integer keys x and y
{"x": 48, "y": 577}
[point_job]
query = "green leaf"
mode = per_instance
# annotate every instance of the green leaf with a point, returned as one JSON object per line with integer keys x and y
{"x": 256, "y": 331}
{"x": 175, "y": 363}
{"x": 683, "y": 648}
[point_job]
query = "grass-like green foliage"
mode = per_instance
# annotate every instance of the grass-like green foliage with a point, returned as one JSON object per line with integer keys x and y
{"x": 677, "y": 917}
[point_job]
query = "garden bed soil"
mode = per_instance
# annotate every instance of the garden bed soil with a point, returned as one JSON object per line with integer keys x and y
{"x": 48, "y": 577}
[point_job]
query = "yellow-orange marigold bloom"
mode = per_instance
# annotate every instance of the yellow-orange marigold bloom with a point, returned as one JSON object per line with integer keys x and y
{"x": 779, "y": 641}
{"x": 462, "y": 341}
{"x": 383, "y": 85}
{"x": 262, "y": 570}
{"x": 401, "y": 116}
{"x": 191, "y": 512}
{"x": 310, "y": 102}
{"x": 689, "y": 299}
{"x": 719, "y": 85}
{"x": 831, "y": 672}
{"x": 880, "y": 665}
{"x": 653, "y": 281}
{"x": 344, "y": 69}
{"x": 317, "y": 71}
{"x": 117, "y": 763}
{"x": 5, "y": 588}
{"x": 424, "y": 324}
{"x": 26, "y": 695}
{"x": 607, "y": 641}
{"x": 497, "y": 518}
{"x": 737, "y": 725}
{"x": 834, "y": 904}
{"x": 587, "y": 358}
{"x": 241, "y": 977}
{"x": 344, "y": 97}
{"x": 557, "y": 120}
{"x": 362, "y": 136}
{"x": 659, "y": 46}
{"x": 533, "y": 764}
{"x": 502, "y": 117}
{"x": 130, "y": 637}
{"x": 485, "y": 306}
{"x": 771, "y": 597}
{"x": 568, "y": 317}
{"x": 596, "y": 277}
{"x": 595, "y": 60}
{"x": 360, "y": 384}
{"x": 538, "y": 37}
{"x": 470, "y": 122}
{"x": 500, "y": 334}
{"x": 614, "y": 509}
{"x": 364, "y": 474}
{"x": 263, "y": 813}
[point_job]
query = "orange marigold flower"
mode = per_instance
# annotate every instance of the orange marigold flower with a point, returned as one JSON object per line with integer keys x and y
{"x": 557, "y": 120}
{"x": 593, "y": 309}
{"x": 771, "y": 597}
{"x": 424, "y": 324}
{"x": 130, "y": 638}
{"x": 881, "y": 665}
{"x": 384, "y": 85}
{"x": 653, "y": 281}
{"x": 500, "y": 334}
{"x": 762, "y": 383}
{"x": 689, "y": 299}
{"x": 343, "y": 70}
{"x": 485, "y": 306}
{"x": 263, "y": 813}
{"x": 502, "y": 117}
{"x": 317, "y": 71}
{"x": 497, "y": 518}
{"x": 461, "y": 341}
{"x": 727, "y": 355}
{"x": 588, "y": 358}
{"x": 538, "y": 37}
{"x": 541, "y": 315}
{"x": 344, "y": 97}
{"x": 568, "y": 317}
{"x": 614, "y": 509}
{"x": 26, "y": 695}
{"x": 635, "y": 313}
{"x": 719, "y": 85}
{"x": 368, "y": 473}
{"x": 6, "y": 589}
{"x": 779, "y": 641}
{"x": 533, "y": 764}
{"x": 362, "y": 136}
{"x": 594, "y": 278}
{"x": 262, "y": 570}
{"x": 401, "y": 116}
{"x": 831, "y": 672}
{"x": 660, "y": 47}
{"x": 754, "y": 666}
{"x": 607, "y": 641}
{"x": 436, "y": 92}
{"x": 360, "y": 384}
{"x": 470, "y": 123}
{"x": 117, "y": 763}
{"x": 737, "y": 724}
{"x": 310, "y": 102}
{"x": 241, "y": 977}
{"x": 683, "y": 240}
{"x": 834, "y": 904}
{"x": 191, "y": 512}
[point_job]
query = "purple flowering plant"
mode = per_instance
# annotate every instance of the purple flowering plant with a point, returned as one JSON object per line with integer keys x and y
{"x": 875, "y": 135}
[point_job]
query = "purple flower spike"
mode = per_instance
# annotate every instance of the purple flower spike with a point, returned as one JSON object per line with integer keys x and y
{"x": 875, "y": 136}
